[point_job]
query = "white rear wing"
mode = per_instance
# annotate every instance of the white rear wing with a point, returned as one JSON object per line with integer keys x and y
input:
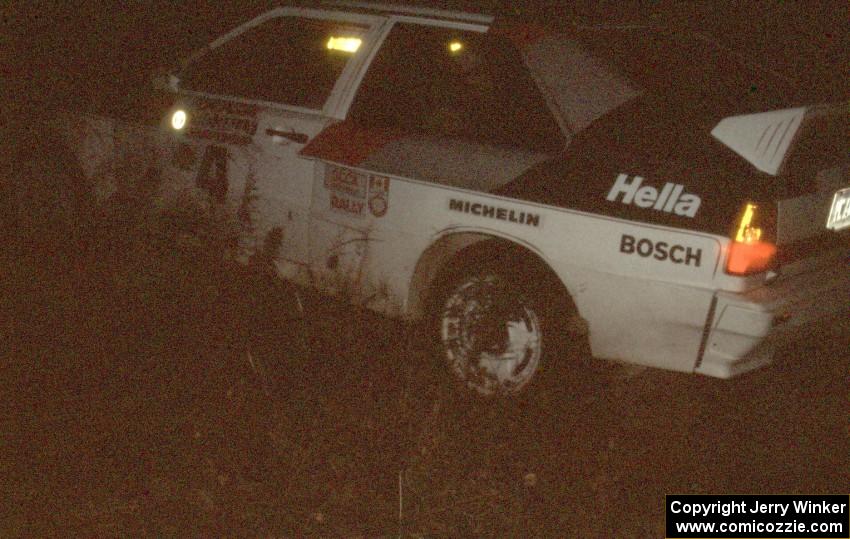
{"x": 763, "y": 138}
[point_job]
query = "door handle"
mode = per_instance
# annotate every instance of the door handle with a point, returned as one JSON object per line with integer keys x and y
{"x": 300, "y": 138}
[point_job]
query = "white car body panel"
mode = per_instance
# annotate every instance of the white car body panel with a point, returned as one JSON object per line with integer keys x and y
{"x": 748, "y": 329}
{"x": 639, "y": 309}
{"x": 378, "y": 232}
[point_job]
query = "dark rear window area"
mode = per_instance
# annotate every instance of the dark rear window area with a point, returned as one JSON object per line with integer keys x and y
{"x": 689, "y": 71}
{"x": 455, "y": 84}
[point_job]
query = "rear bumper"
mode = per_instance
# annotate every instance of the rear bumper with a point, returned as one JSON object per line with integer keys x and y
{"x": 748, "y": 329}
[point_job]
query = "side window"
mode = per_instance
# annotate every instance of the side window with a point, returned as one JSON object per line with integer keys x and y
{"x": 288, "y": 60}
{"x": 450, "y": 83}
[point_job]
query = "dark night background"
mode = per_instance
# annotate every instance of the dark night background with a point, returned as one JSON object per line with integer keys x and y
{"x": 96, "y": 51}
{"x": 126, "y": 408}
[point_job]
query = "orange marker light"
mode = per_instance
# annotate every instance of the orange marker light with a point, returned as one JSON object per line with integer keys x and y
{"x": 749, "y": 258}
{"x": 746, "y": 232}
{"x": 748, "y": 254}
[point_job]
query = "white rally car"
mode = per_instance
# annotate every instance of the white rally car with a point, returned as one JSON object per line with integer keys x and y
{"x": 525, "y": 189}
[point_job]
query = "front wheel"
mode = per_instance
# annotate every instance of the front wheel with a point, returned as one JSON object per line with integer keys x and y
{"x": 494, "y": 328}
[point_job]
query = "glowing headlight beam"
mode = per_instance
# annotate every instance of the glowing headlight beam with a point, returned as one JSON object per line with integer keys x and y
{"x": 178, "y": 119}
{"x": 344, "y": 44}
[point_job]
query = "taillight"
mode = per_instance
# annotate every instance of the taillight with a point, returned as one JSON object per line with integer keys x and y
{"x": 752, "y": 249}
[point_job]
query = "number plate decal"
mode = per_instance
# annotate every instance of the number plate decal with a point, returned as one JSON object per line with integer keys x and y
{"x": 839, "y": 214}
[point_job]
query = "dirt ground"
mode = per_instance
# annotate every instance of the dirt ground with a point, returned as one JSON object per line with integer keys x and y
{"x": 147, "y": 391}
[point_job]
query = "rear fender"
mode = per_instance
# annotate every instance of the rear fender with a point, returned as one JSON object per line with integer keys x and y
{"x": 447, "y": 252}
{"x": 432, "y": 261}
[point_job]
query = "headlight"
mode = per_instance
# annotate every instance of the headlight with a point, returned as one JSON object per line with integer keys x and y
{"x": 178, "y": 119}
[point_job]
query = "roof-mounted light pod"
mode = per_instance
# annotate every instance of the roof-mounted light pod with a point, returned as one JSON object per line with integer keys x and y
{"x": 344, "y": 44}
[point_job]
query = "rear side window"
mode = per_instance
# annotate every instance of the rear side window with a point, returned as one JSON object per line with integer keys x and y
{"x": 287, "y": 60}
{"x": 451, "y": 83}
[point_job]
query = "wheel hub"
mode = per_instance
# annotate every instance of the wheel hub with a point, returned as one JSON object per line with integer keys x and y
{"x": 491, "y": 336}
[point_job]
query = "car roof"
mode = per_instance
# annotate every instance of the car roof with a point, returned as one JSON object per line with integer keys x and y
{"x": 464, "y": 12}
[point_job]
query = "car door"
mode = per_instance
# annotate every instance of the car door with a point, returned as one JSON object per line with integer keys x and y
{"x": 442, "y": 106}
{"x": 254, "y": 98}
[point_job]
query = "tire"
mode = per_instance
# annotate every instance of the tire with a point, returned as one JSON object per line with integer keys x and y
{"x": 500, "y": 328}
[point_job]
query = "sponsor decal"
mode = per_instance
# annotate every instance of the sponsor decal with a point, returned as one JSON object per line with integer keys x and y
{"x": 344, "y": 204}
{"x": 660, "y": 250}
{"x": 670, "y": 199}
{"x": 343, "y": 180}
{"x": 839, "y": 213}
{"x": 494, "y": 212}
{"x": 379, "y": 190}
{"x": 222, "y": 121}
{"x": 350, "y": 192}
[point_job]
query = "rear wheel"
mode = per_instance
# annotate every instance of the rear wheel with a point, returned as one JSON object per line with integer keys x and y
{"x": 500, "y": 331}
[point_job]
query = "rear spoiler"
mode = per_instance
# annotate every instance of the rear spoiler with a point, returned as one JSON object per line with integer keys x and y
{"x": 765, "y": 139}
